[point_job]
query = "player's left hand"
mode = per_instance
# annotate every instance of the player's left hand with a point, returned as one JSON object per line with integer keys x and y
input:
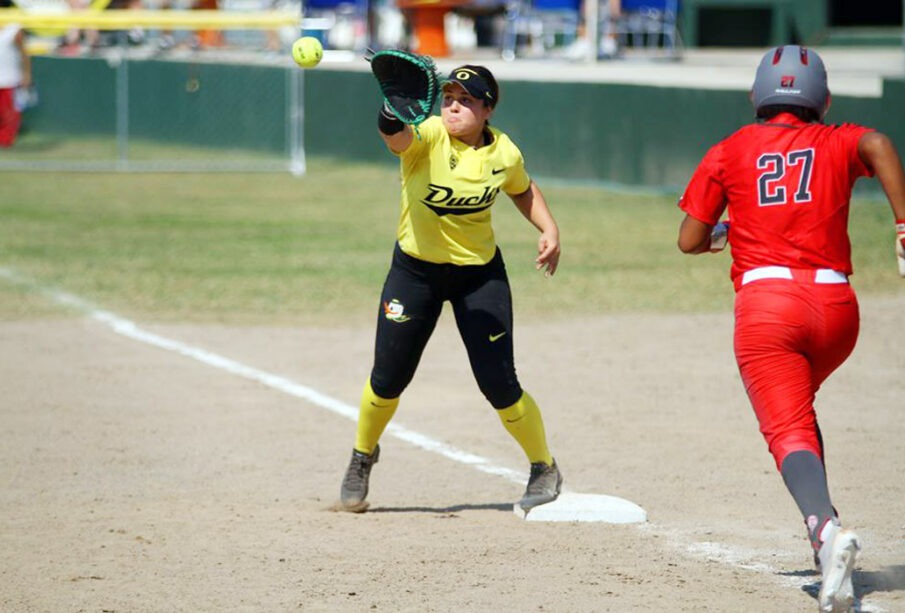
{"x": 547, "y": 253}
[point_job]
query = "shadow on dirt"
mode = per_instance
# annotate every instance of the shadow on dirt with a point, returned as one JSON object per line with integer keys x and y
{"x": 497, "y": 506}
{"x": 866, "y": 582}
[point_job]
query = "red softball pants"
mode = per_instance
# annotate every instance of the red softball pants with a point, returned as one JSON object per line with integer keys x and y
{"x": 790, "y": 335}
{"x": 10, "y": 118}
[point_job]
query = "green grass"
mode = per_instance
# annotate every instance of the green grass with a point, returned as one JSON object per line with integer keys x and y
{"x": 271, "y": 248}
{"x": 68, "y": 149}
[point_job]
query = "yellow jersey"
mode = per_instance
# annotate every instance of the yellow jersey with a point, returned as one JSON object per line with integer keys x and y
{"x": 448, "y": 188}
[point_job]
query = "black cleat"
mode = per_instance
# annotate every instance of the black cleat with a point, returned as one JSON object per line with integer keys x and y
{"x": 544, "y": 485}
{"x": 355, "y": 484}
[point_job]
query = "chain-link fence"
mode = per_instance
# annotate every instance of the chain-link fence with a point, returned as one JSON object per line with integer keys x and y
{"x": 135, "y": 108}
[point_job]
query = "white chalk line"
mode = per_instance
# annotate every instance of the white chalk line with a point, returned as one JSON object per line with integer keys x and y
{"x": 129, "y": 329}
{"x": 706, "y": 550}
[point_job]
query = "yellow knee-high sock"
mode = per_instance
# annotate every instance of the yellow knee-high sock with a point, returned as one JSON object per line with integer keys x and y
{"x": 373, "y": 416}
{"x": 524, "y": 422}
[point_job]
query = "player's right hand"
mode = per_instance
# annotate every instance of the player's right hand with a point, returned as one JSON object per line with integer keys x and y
{"x": 547, "y": 253}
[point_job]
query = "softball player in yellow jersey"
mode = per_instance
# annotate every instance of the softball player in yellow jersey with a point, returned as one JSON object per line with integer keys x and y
{"x": 453, "y": 171}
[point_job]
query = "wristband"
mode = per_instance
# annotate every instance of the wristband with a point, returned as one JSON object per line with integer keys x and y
{"x": 388, "y": 123}
{"x": 719, "y": 236}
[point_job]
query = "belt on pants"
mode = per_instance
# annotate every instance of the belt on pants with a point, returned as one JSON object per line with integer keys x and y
{"x": 824, "y": 276}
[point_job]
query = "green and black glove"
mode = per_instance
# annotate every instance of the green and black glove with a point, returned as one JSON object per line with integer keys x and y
{"x": 409, "y": 83}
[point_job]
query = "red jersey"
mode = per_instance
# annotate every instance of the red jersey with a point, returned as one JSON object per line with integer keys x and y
{"x": 787, "y": 185}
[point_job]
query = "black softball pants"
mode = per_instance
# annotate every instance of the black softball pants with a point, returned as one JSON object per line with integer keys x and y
{"x": 410, "y": 305}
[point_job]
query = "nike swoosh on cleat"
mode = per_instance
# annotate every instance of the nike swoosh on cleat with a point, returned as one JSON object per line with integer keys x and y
{"x": 497, "y": 171}
{"x": 495, "y": 337}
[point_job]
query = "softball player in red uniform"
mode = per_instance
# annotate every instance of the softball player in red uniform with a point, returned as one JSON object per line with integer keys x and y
{"x": 786, "y": 182}
{"x": 452, "y": 172}
{"x": 15, "y": 72}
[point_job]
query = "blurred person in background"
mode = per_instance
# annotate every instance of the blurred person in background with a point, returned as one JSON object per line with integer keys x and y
{"x": 72, "y": 40}
{"x": 608, "y": 47}
{"x": 15, "y": 72}
{"x": 134, "y": 35}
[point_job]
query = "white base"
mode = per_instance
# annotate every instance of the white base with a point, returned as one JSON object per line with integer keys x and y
{"x": 586, "y": 507}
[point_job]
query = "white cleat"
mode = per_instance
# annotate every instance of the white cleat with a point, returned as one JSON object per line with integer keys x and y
{"x": 837, "y": 557}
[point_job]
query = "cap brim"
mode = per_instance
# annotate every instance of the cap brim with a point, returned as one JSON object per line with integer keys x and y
{"x": 480, "y": 95}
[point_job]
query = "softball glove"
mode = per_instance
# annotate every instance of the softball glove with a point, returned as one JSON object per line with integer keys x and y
{"x": 409, "y": 83}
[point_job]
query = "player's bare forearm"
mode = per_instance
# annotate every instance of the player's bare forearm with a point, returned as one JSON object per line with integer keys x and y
{"x": 400, "y": 141}
{"x": 880, "y": 155}
{"x": 533, "y": 206}
{"x": 694, "y": 236}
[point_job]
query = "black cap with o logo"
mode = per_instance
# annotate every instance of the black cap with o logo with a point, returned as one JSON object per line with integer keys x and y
{"x": 477, "y": 81}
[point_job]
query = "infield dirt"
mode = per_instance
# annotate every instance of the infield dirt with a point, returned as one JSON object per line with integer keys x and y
{"x": 136, "y": 479}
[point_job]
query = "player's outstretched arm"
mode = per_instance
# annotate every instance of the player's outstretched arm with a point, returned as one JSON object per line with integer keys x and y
{"x": 532, "y": 204}
{"x": 880, "y": 155}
